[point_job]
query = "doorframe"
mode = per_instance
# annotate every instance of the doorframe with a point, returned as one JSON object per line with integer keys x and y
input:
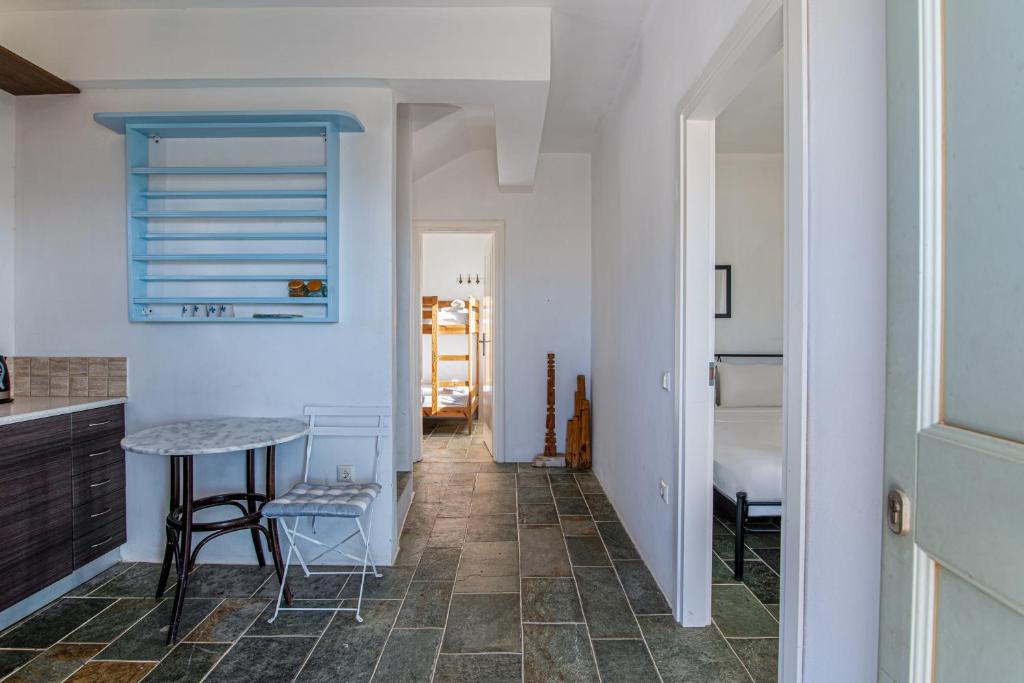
{"x": 765, "y": 28}
{"x": 496, "y": 228}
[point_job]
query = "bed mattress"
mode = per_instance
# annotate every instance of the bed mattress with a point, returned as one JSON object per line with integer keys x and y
{"x": 447, "y": 397}
{"x": 748, "y": 455}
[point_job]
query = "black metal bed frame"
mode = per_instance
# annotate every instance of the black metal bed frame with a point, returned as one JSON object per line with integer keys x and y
{"x": 740, "y": 510}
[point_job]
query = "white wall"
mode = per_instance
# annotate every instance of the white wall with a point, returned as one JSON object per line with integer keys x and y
{"x": 7, "y": 154}
{"x": 749, "y": 225}
{"x": 71, "y": 232}
{"x": 635, "y": 226}
{"x": 636, "y": 173}
{"x": 547, "y": 278}
{"x": 443, "y": 257}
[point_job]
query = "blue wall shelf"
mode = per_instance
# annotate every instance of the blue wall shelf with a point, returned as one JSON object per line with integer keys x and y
{"x": 204, "y": 232}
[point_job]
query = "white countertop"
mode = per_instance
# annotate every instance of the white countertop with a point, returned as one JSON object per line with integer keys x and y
{"x": 29, "y": 408}
{"x": 224, "y": 435}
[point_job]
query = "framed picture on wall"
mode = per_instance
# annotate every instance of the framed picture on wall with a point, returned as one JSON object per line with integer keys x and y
{"x": 723, "y": 291}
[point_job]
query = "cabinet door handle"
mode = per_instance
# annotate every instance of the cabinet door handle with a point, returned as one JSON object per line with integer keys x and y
{"x": 97, "y": 545}
{"x": 99, "y": 514}
{"x": 93, "y": 455}
{"x": 99, "y": 483}
{"x": 99, "y": 424}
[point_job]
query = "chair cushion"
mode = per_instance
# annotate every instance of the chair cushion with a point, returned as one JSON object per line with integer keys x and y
{"x": 323, "y": 500}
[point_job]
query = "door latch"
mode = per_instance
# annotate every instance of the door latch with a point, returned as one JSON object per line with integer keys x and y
{"x": 898, "y": 512}
{"x": 712, "y": 366}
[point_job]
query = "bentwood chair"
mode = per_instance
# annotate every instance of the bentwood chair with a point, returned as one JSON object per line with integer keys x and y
{"x": 348, "y": 500}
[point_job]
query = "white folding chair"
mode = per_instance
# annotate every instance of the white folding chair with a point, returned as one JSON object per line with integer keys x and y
{"x": 349, "y": 500}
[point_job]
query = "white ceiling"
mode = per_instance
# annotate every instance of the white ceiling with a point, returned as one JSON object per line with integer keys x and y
{"x": 753, "y": 122}
{"x": 592, "y": 42}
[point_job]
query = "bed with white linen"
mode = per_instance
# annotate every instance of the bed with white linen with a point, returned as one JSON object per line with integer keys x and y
{"x": 748, "y": 444}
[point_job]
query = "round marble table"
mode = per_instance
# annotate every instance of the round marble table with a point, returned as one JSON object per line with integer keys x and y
{"x": 181, "y": 442}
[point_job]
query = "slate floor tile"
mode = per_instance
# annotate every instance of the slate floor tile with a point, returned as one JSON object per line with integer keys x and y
{"x": 449, "y": 532}
{"x": 739, "y": 614}
{"x": 721, "y": 571}
{"x": 10, "y": 660}
{"x": 620, "y": 547}
{"x": 577, "y": 525}
{"x": 566, "y": 490}
{"x": 228, "y": 621}
{"x": 100, "y": 579}
{"x": 551, "y": 600}
{"x": 426, "y": 605}
{"x": 495, "y": 481}
{"x": 493, "y": 503}
{"x": 542, "y": 552}
{"x": 147, "y": 639}
{"x": 111, "y": 672}
{"x": 571, "y": 506}
{"x": 188, "y": 662}
{"x": 350, "y": 646}
{"x": 625, "y": 660}
{"x": 587, "y": 551}
{"x": 724, "y": 547}
{"x": 227, "y": 581}
{"x": 56, "y": 663}
{"x": 683, "y": 655}
{"x": 557, "y": 652}
{"x": 276, "y": 659}
{"x": 641, "y": 589}
{"x": 535, "y": 494}
{"x": 492, "y": 528}
{"x": 504, "y": 668}
{"x": 489, "y": 567}
{"x": 530, "y": 513}
{"x": 137, "y": 582}
{"x": 288, "y": 623}
{"x": 438, "y": 564}
{"x": 600, "y": 508}
{"x": 763, "y": 540}
{"x": 771, "y": 557}
{"x": 532, "y": 479}
{"x": 391, "y": 586}
{"x": 762, "y": 581}
{"x": 483, "y": 623}
{"x": 106, "y": 626}
{"x": 409, "y": 655}
{"x": 313, "y": 587}
{"x": 588, "y": 483}
{"x": 604, "y": 604}
{"x": 58, "y": 620}
{"x": 760, "y": 656}
{"x": 462, "y": 479}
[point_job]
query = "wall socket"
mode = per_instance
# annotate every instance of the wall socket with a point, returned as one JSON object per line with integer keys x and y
{"x": 662, "y": 490}
{"x": 345, "y": 473}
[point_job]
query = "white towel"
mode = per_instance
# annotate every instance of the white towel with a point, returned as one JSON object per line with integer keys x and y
{"x": 457, "y": 305}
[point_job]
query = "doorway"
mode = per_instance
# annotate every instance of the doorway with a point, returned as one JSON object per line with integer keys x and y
{"x": 458, "y": 284}
{"x": 768, "y": 370}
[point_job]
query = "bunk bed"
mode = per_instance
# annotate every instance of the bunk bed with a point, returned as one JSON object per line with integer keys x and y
{"x": 452, "y": 398}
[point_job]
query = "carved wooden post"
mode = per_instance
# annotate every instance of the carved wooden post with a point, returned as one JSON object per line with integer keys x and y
{"x": 550, "y": 444}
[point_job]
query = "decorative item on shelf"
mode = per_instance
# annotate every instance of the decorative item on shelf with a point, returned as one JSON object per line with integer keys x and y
{"x": 306, "y": 288}
{"x": 316, "y": 288}
{"x": 276, "y": 316}
{"x": 297, "y": 288}
{"x": 550, "y": 457}
{"x": 577, "y": 433}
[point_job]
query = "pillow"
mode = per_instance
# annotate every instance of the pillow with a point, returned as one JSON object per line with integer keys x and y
{"x": 749, "y": 385}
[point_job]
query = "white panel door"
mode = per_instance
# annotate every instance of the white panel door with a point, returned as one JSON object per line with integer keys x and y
{"x": 486, "y": 345}
{"x": 952, "y": 590}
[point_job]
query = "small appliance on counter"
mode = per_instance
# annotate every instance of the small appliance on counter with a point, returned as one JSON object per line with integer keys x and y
{"x": 5, "y": 381}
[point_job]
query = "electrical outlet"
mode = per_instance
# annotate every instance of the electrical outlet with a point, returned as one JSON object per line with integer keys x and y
{"x": 345, "y": 473}
{"x": 663, "y": 490}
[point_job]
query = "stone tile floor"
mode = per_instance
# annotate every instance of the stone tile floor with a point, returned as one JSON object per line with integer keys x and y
{"x": 505, "y": 573}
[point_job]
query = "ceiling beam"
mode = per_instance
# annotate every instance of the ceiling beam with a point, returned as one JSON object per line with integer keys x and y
{"x": 19, "y": 76}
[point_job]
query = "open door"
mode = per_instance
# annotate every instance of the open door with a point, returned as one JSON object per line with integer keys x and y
{"x": 952, "y": 604}
{"x": 486, "y": 355}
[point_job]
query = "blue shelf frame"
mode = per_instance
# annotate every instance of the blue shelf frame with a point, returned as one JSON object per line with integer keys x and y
{"x": 140, "y": 128}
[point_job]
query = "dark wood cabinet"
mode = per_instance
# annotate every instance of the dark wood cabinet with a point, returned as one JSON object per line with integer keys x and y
{"x": 61, "y": 497}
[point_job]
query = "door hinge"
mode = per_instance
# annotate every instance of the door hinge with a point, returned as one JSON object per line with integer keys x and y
{"x": 711, "y": 374}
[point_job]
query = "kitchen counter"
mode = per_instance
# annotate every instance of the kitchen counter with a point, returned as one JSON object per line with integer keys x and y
{"x": 29, "y": 408}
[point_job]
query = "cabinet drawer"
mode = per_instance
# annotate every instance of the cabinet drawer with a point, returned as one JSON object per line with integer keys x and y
{"x": 92, "y": 455}
{"x": 98, "y": 483}
{"x": 35, "y": 551}
{"x": 93, "y": 424}
{"x": 98, "y": 511}
{"x": 100, "y": 540}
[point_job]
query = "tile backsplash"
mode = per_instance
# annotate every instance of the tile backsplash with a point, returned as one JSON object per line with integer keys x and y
{"x": 95, "y": 377}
